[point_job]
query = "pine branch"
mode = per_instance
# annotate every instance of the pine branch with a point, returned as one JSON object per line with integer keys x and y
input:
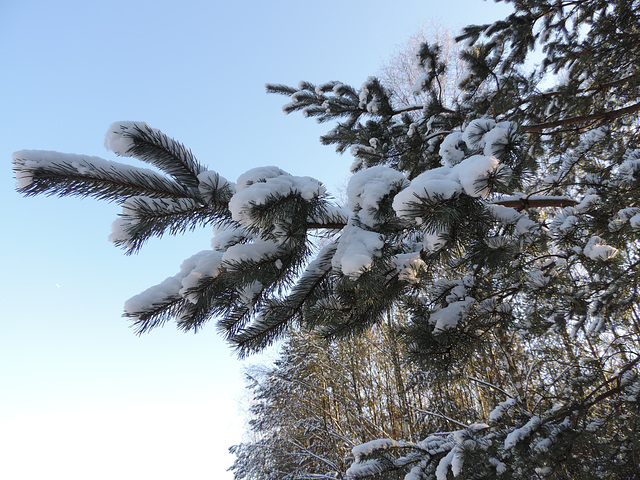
{"x": 490, "y": 385}
{"x": 274, "y": 271}
{"x": 157, "y": 315}
{"x": 585, "y": 118}
{"x": 596, "y": 88}
{"x": 415, "y": 108}
{"x": 537, "y": 202}
{"x": 154, "y": 147}
{"x": 280, "y": 89}
{"x": 592, "y": 399}
{"x": 51, "y": 173}
{"x": 231, "y": 324}
{"x": 145, "y": 217}
{"x": 276, "y": 315}
{"x": 327, "y": 217}
{"x": 326, "y": 226}
{"x": 191, "y": 298}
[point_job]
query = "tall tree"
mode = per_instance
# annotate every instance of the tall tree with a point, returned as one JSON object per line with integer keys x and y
{"x": 505, "y": 226}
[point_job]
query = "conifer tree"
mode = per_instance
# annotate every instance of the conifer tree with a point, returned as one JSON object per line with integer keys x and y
{"x": 505, "y": 227}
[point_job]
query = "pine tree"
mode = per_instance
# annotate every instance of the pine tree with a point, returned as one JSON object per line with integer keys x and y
{"x": 505, "y": 227}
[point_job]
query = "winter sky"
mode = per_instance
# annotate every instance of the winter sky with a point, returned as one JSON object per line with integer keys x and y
{"x": 81, "y": 397}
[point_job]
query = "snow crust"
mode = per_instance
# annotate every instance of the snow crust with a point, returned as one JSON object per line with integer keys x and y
{"x": 452, "y": 149}
{"x": 366, "y": 468}
{"x": 474, "y": 134}
{"x": 630, "y": 167}
{"x": 368, "y": 99}
{"x": 474, "y": 170}
{"x": 497, "y": 139}
{"x": 482, "y": 136}
{"x": 500, "y": 467}
{"x": 225, "y": 237}
{"x": 444, "y": 464}
{"x": 434, "y": 241}
{"x": 368, "y": 448}
{"x": 195, "y": 269}
{"x": 258, "y": 174}
{"x": 629, "y": 214}
{"x": 154, "y": 295}
{"x": 119, "y": 232}
{"x": 510, "y": 216}
{"x": 497, "y": 413}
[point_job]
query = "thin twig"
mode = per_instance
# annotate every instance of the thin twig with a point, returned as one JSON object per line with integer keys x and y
{"x": 435, "y": 414}
{"x": 490, "y": 385}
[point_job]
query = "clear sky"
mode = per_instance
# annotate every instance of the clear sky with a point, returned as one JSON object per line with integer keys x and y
{"x": 81, "y": 397}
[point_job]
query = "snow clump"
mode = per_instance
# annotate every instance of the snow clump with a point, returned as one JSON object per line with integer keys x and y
{"x": 356, "y": 249}
{"x": 193, "y": 271}
{"x": 445, "y": 183}
{"x": 521, "y": 433}
{"x": 259, "y": 185}
{"x": 596, "y": 249}
{"x": 368, "y": 187}
{"x": 408, "y": 265}
{"x": 118, "y": 138}
{"x": 452, "y": 149}
{"x": 449, "y": 316}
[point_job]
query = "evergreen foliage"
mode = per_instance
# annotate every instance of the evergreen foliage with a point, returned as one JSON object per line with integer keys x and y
{"x": 504, "y": 226}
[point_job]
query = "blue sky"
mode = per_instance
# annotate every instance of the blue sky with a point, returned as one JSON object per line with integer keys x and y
{"x": 80, "y": 395}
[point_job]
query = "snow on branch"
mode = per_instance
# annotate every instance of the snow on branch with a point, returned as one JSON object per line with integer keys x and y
{"x": 146, "y": 217}
{"x": 65, "y": 174}
{"x": 139, "y": 140}
{"x": 277, "y": 314}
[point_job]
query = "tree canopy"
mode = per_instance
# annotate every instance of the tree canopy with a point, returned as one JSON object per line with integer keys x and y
{"x": 504, "y": 226}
